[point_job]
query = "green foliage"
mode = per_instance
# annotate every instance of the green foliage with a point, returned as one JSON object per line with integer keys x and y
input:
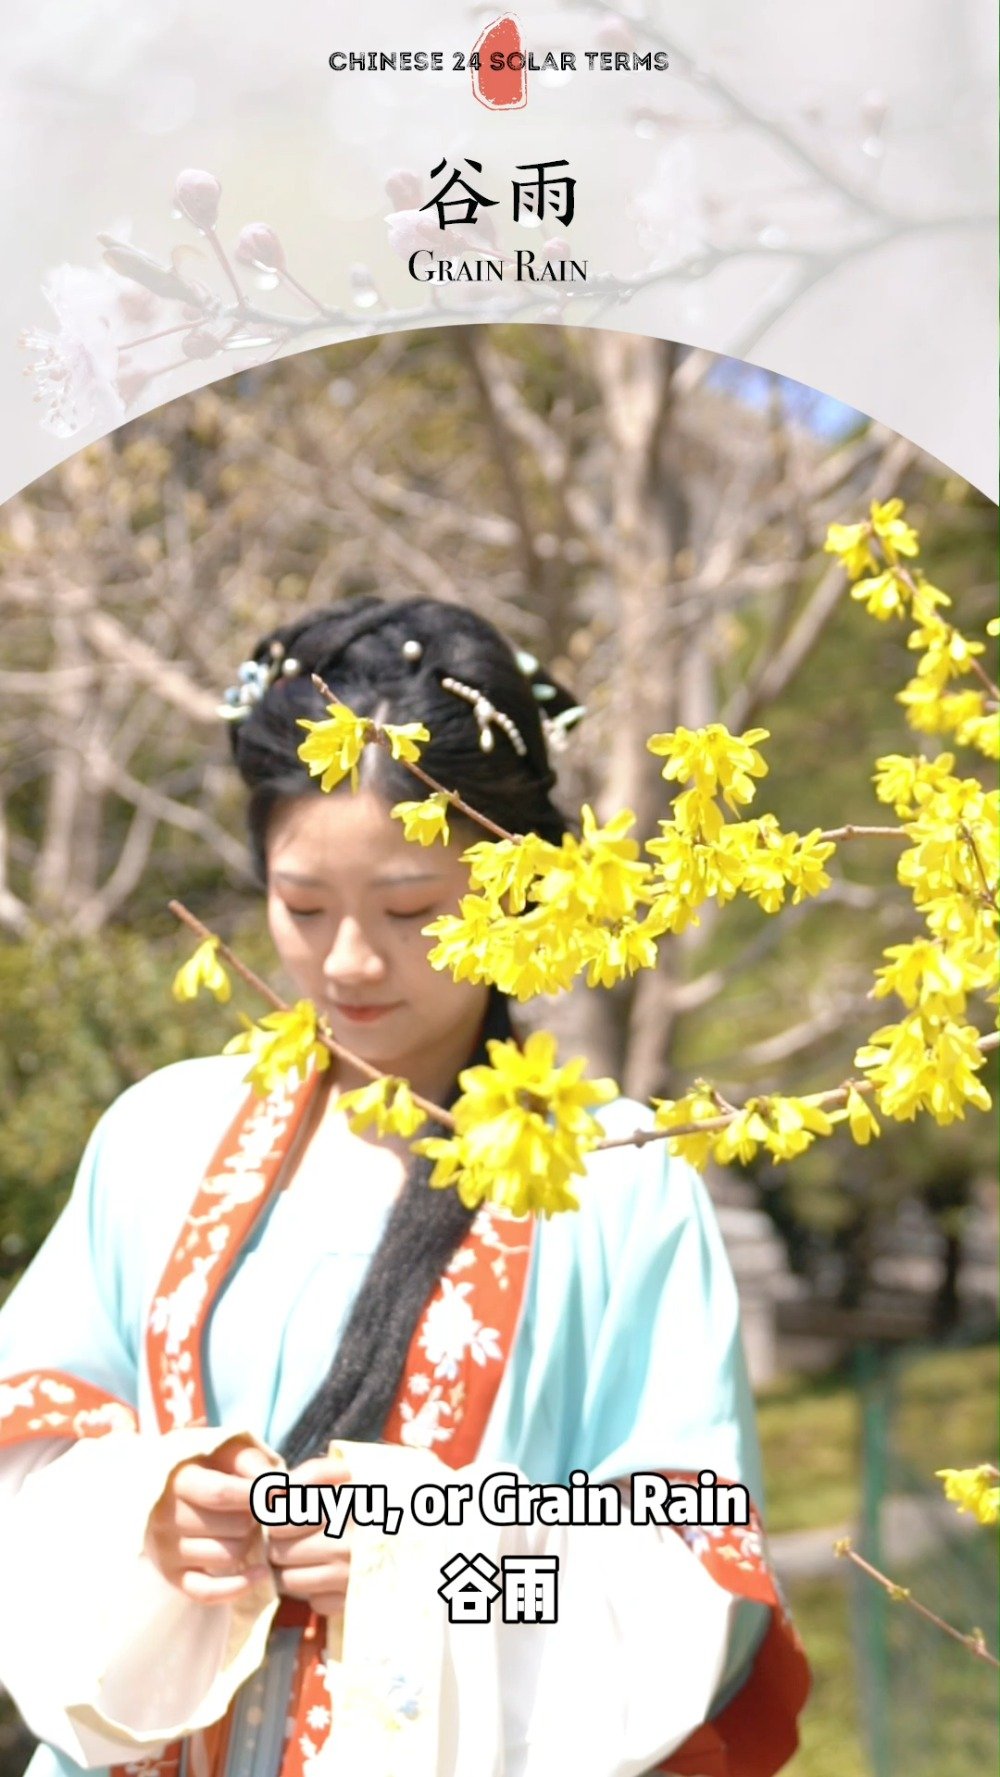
{"x": 86, "y": 1018}
{"x": 946, "y": 1416}
{"x": 940, "y": 1703}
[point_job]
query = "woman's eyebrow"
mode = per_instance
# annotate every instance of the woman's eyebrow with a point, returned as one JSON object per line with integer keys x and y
{"x": 299, "y": 881}
{"x": 396, "y": 881}
{"x": 405, "y": 877}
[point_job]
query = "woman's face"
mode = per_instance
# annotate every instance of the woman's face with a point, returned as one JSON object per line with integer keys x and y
{"x": 347, "y": 897}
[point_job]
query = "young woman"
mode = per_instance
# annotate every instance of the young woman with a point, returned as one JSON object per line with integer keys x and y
{"x": 251, "y": 1287}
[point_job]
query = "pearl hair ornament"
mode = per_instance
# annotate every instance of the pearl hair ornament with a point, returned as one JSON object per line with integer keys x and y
{"x": 254, "y": 679}
{"x": 487, "y": 716}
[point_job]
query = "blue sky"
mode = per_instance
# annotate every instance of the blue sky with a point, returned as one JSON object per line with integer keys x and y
{"x": 820, "y": 413}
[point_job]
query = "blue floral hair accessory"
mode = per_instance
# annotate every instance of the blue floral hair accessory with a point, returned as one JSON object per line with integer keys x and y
{"x": 253, "y": 679}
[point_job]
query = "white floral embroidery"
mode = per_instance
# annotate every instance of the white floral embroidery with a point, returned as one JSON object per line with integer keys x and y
{"x": 175, "y": 1314}
{"x": 13, "y": 1396}
{"x": 56, "y": 1391}
{"x": 421, "y": 1428}
{"x": 112, "y": 1415}
{"x": 178, "y": 1399}
{"x": 317, "y": 1716}
{"x": 242, "y": 1179}
{"x": 751, "y": 1546}
{"x": 419, "y": 1384}
{"x": 451, "y": 1329}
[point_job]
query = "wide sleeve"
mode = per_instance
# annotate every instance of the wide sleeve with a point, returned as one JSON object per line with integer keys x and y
{"x": 630, "y": 1361}
{"x": 67, "y": 1312}
{"x": 103, "y": 1657}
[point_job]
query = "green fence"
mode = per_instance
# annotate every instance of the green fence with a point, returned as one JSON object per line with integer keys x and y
{"x": 928, "y": 1707}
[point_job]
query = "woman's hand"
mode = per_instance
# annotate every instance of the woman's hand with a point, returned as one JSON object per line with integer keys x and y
{"x": 202, "y": 1535}
{"x": 306, "y": 1563}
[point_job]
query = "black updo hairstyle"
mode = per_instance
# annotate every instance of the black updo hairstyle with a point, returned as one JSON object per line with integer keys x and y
{"x": 359, "y": 648}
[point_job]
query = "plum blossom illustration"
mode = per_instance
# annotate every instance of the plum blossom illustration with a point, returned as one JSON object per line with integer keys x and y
{"x": 76, "y": 366}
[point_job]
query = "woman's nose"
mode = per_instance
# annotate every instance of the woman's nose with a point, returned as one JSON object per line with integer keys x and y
{"x": 351, "y": 957}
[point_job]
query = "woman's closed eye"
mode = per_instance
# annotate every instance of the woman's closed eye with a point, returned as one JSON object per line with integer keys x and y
{"x": 409, "y": 913}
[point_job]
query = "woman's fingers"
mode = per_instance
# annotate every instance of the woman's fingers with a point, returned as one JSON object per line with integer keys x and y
{"x": 213, "y": 1555}
{"x": 241, "y": 1456}
{"x": 211, "y": 1490}
{"x": 185, "y": 1520}
{"x": 312, "y": 1582}
{"x": 214, "y": 1589}
{"x": 308, "y": 1548}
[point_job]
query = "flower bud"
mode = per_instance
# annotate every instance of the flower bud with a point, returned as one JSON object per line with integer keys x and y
{"x": 411, "y": 230}
{"x": 363, "y": 285}
{"x": 199, "y": 344}
{"x": 198, "y": 194}
{"x": 403, "y": 189}
{"x": 258, "y": 245}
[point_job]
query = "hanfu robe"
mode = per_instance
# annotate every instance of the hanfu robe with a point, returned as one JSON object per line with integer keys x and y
{"x": 186, "y": 1294}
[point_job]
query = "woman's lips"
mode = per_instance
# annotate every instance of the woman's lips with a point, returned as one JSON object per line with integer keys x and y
{"x": 363, "y": 1014}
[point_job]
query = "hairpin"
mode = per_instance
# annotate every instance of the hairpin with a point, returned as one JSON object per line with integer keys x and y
{"x": 487, "y": 716}
{"x": 253, "y": 679}
{"x": 555, "y": 728}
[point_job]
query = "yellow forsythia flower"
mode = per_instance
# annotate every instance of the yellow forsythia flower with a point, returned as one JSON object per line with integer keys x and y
{"x": 203, "y": 969}
{"x": 742, "y": 1137}
{"x": 716, "y": 761}
{"x": 906, "y": 783}
{"x": 505, "y": 869}
{"x": 280, "y": 1045}
{"x": 461, "y": 936}
{"x": 610, "y": 875}
{"x": 927, "y": 974}
{"x": 697, "y": 1106}
{"x": 785, "y": 860}
{"x": 895, "y": 535}
{"x": 522, "y": 1129}
{"x": 973, "y": 1490}
{"x": 615, "y": 951}
{"x": 861, "y": 1119}
{"x": 534, "y": 952}
{"x": 915, "y": 1070}
{"x": 406, "y": 739}
{"x": 335, "y": 746}
{"x": 851, "y": 543}
{"x": 387, "y": 1103}
{"x": 793, "y": 1125}
{"x": 883, "y": 595}
{"x": 426, "y": 821}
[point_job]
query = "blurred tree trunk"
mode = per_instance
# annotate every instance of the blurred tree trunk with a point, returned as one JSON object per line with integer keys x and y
{"x": 648, "y": 528}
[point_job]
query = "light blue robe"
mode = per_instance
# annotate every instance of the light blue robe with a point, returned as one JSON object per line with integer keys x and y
{"x": 627, "y": 1355}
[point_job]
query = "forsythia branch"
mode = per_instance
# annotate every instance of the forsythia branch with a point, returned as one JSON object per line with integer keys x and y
{"x": 259, "y": 985}
{"x": 974, "y": 1640}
